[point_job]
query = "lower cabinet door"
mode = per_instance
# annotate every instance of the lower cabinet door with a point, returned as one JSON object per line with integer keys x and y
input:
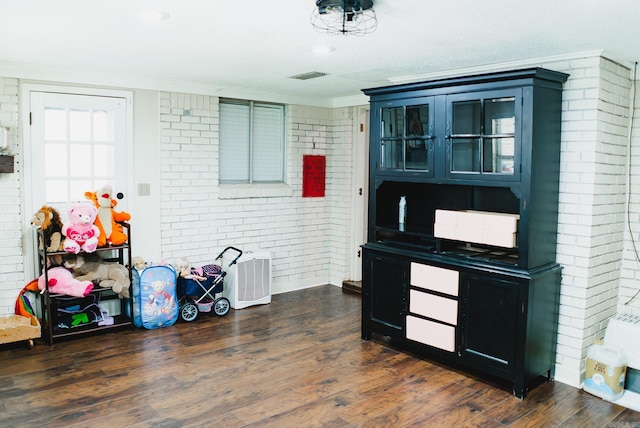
{"x": 384, "y": 294}
{"x": 489, "y": 323}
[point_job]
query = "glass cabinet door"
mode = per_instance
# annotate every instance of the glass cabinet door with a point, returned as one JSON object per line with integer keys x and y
{"x": 482, "y": 134}
{"x": 406, "y": 138}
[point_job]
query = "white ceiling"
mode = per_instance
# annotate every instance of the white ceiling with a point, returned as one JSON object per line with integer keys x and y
{"x": 251, "y": 48}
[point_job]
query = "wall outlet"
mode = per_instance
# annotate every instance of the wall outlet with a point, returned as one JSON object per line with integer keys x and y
{"x": 144, "y": 189}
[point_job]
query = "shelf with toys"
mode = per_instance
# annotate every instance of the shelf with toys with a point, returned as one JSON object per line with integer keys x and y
{"x": 86, "y": 285}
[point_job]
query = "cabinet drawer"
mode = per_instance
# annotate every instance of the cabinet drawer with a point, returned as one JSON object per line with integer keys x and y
{"x": 431, "y": 333}
{"x": 432, "y": 306}
{"x": 434, "y": 278}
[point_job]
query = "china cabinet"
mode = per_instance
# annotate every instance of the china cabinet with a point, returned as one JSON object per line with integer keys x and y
{"x": 470, "y": 275}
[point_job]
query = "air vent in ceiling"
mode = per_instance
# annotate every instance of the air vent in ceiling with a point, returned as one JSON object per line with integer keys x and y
{"x": 307, "y": 76}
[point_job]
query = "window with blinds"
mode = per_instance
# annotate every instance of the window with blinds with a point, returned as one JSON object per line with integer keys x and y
{"x": 252, "y": 143}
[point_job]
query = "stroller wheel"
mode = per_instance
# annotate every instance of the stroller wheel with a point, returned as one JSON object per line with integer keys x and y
{"x": 221, "y": 306}
{"x": 189, "y": 312}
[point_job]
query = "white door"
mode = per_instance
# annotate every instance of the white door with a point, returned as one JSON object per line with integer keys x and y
{"x": 360, "y": 192}
{"x": 74, "y": 143}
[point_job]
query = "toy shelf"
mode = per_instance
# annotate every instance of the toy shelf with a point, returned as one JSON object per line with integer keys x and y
{"x": 113, "y": 313}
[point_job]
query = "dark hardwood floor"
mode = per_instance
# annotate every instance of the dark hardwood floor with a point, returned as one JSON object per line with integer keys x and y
{"x": 297, "y": 362}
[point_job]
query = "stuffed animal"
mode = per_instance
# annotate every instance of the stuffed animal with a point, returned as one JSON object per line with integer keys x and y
{"x": 138, "y": 263}
{"x": 47, "y": 221}
{"x": 182, "y": 267}
{"x": 108, "y": 220}
{"x": 108, "y": 275}
{"x": 61, "y": 281}
{"x": 80, "y": 232}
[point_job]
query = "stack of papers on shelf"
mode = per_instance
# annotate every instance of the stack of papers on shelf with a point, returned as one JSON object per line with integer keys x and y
{"x": 480, "y": 227}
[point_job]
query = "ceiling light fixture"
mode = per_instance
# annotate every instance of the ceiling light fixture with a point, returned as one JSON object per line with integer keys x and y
{"x": 346, "y": 17}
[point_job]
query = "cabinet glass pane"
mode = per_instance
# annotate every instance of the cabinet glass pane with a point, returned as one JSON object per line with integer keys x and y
{"x": 392, "y": 154}
{"x": 406, "y": 138}
{"x": 499, "y": 116}
{"x": 392, "y": 122}
{"x": 417, "y": 120}
{"x": 465, "y": 155}
{"x": 467, "y": 117}
{"x": 498, "y": 155}
{"x": 418, "y": 152}
{"x": 483, "y": 136}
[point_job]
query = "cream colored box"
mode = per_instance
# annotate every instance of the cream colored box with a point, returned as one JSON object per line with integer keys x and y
{"x": 500, "y": 238}
{"x": 479, "y": 227}
{"x": 447, "y": 217}
{"x": 446, "y": 231}
{"x": 474, "y": 219}
{"x": 502, "y": 221}
{"x": 469, "y": 233}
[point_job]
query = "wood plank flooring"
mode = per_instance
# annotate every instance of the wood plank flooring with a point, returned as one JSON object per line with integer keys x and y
{"x": 297, "y": 362}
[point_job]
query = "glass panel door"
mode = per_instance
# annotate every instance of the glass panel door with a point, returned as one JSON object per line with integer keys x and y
{"x": 77, "y": 143}
{"x": 392, "y": 127}
{"x": 418, "y": 147}
{"x": 482, "y": 135}
{"x": 81, "y": 137}
{"x": 500, "y": 125}
{"x": 406, "y": 140}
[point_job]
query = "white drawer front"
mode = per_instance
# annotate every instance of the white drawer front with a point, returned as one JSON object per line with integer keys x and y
{"x": 434, "y": 278}
{"x": 431, "y": 333}
{"x": 436, "y": 307}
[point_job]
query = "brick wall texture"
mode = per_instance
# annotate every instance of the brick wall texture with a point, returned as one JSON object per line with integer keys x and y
{"x": 309, "y": 238}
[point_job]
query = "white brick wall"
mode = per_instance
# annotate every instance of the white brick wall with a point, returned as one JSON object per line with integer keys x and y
{"x": 629, "y": 298}
{"x": 592, "y": 204}
{"x": 307, "y": 237}
{"x": 11, "y": 216}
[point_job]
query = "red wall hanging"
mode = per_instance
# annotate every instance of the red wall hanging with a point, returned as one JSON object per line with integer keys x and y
{"x": 313, "y": 175}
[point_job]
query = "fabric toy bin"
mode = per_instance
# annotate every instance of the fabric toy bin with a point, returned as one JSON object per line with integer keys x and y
{"x": 16, "y": 328}
{"x": 69, "y": 312}
{"x": 154, "y": 293}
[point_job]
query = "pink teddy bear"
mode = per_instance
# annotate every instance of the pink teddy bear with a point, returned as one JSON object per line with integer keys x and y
{"x": 61, "y": 281}
{"x": 81, "y": 234}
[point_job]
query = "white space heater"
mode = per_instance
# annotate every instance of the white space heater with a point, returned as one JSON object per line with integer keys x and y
{"x": 248, "y": 282}
{"x": 623, "y": 331}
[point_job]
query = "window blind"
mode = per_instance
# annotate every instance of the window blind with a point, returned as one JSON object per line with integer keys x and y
{"x": 251, "y": 142}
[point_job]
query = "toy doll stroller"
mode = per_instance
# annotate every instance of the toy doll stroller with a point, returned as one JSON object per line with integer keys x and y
{"x": 199, "y": 289}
